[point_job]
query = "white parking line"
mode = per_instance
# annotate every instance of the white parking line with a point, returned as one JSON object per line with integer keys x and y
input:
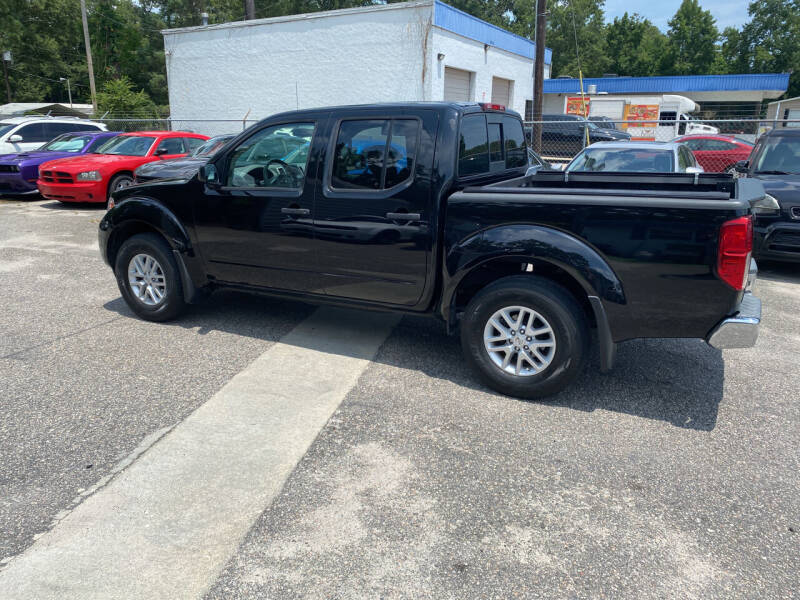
{"x": 165, "y": 526}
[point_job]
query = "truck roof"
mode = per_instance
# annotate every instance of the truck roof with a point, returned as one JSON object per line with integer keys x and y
{"x": 461, "y": 107}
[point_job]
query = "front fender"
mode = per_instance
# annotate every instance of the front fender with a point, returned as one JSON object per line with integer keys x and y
{"x": 137, "y": 214}
{"x": 534, "y": 242}
{"x": 153, "y": 213}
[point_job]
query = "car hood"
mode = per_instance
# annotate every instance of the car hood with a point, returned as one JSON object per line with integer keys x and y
{"x": 32, "y": 158}
{"x": 91, "y": 162}
{"x": 170, "y": 169}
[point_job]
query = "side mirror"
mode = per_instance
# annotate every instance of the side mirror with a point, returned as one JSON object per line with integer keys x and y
{"x": 160, "y": 151}
{"x": 742, "y": 166}
{"x": 15, "y": 139}
{"x": 208, "y": 174}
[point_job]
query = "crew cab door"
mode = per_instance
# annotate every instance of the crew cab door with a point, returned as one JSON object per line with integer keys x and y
{"x": 254, "y": 223}
{"x": 372, "y": 211}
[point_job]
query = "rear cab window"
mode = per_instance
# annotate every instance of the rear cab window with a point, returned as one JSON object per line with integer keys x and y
{"x": 490, "y": 143}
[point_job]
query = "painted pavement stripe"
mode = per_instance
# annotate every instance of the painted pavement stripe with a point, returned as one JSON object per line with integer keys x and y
{"x": 165, "y": 526}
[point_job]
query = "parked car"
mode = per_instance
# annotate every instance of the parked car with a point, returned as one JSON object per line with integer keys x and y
{"x": 19, "y": 172}
{"x": 22, "y": 134}
{"x": 636, "y": 157}
{"x": 776, "y": 162}
{"x": 182, "y": 167}
{"x": 565, "y": 135}
{"x": 92, "y": 177}
{"x": 603, "y": 122}
{"x": 520, "y": 267}
{"x": 536, "y": 163}
{"x": 717, "y": 153}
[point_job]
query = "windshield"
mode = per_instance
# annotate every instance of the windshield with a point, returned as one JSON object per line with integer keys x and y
{"x": 127, "y": 145}
{"x": 592, "y": 125}
{"x": 634, "y": 160}
{"x": 6, "y": 127}
{"x": 69, "y": 142}
{"x": 210, "y": 147}
{"x": 778, "y": 155}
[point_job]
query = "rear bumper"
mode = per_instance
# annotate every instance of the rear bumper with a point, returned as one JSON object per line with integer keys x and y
{"x": 740, "y": 329}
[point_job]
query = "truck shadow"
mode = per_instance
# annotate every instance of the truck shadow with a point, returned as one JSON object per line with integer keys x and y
{"x": 676, "y": 381}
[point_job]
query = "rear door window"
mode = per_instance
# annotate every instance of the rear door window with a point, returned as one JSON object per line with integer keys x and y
{"x": 374, "y": 154}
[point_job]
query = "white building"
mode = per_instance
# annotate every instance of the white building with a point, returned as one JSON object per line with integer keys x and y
{"x": 411, "y": 51}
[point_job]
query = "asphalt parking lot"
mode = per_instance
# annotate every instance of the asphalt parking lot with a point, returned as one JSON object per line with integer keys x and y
{"x": 677, "y": 475}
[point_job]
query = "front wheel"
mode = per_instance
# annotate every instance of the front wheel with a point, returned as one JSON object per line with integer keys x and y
{"x": 525, "y": 335}
{"x": 117, "y": 183}
{"x": 148, "y": 278}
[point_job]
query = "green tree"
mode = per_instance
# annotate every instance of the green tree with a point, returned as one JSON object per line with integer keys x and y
{"x": 576, "y": 34}
{"x": 770, "y": 41}
{"x": 635, "y": 46}
{"x": 120, "y": 100}
{"x": 692, "y": 45}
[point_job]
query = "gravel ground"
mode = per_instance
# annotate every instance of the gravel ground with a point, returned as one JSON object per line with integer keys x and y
{"x": 674, "y": 476}
{"x": 84, "y": 381}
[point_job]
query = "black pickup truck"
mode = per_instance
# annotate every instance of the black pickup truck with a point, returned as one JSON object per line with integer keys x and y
{"x": 426, "y": 208}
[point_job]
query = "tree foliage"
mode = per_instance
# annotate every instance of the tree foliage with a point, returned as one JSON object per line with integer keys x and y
{"x": 635, "y": 46}
{"x": 692, "y": 41}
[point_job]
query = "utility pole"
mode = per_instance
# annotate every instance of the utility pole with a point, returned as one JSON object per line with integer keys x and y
{"x": 249, "y": 10}
{"x": 89, "y": 56}
{"x": 538, "y": 78}
{"x": 69, "y": 89}
{"x": 7, "y": 59}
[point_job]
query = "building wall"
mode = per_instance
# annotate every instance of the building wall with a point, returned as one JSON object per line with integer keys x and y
{"x": 485, "y": 63}
{"x": 358, "y": 56}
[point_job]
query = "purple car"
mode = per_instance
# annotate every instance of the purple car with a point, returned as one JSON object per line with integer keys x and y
{"x": 19, "y": 172}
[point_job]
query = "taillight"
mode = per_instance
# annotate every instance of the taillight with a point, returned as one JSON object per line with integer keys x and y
{"x": 733, "y": 256}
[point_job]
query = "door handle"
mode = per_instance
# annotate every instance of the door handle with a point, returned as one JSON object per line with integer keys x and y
{"x": 300, "y": 212}
{"x": 403, "y": 216}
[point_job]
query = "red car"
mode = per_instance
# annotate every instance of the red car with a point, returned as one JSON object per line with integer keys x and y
{"x": 717, "y": 153}
{"x": 92, "y": 177}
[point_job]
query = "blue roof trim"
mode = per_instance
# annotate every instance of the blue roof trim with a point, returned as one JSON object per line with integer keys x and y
{"x": 678, "y": 83}
{"x": 464, "y": 24}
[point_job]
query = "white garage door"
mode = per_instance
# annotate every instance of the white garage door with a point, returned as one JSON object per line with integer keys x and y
{"x": 456, "y": 85}
{"x": 501, "y": 91}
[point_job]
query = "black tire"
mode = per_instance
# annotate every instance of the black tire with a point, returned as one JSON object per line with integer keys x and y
{"x": 172, "y": 303}
{"x": 115, "y": 182}
{"x": 561, "y": 311}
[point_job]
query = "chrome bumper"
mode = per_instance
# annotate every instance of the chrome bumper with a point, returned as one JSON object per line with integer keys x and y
{"x": 741, "y": 329}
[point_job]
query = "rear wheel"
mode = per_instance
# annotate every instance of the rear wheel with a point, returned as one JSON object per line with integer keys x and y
{"x": 525, "y": 335}
{"x": 148, "y": 277}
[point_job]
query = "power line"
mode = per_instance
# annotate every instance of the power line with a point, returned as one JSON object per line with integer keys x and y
{"x": 24, "y": 74}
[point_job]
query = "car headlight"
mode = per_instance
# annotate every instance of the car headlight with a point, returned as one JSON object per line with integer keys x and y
{"x": 89, "y": 176}
{"x": 768, "y": 205}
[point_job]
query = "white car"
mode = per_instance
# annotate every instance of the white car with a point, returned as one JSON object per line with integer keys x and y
{"x": 23, "y": 134}
{"x": 635, "y": 157}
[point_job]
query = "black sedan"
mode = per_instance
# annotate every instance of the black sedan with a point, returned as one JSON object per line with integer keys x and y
{"x": 181, "y": 168}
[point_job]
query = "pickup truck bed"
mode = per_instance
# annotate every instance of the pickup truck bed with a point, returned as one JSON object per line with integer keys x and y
{"x": 522, "y": 265}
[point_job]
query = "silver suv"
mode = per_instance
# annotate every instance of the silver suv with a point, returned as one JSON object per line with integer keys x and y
{"x": 23, "y": 134}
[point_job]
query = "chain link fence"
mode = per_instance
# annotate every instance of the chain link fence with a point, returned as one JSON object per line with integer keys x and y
{"x": 717, "y": 145}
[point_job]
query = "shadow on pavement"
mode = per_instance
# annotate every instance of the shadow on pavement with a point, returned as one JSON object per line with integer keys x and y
{"x": 673, "y": 380}
{"x": 56, "y": 205}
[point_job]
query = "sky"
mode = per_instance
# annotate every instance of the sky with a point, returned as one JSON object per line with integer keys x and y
{"x": 726, "y": 12}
